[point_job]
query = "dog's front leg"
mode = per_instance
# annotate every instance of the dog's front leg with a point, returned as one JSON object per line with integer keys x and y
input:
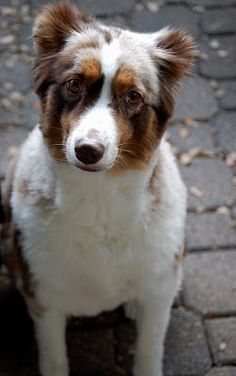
{"x": 153, "y": 313}
{"x": 50, "y": 331}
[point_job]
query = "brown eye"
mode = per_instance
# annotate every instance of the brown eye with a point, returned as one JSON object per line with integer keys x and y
{"x": 134, "y": 98}
{"x": 74, "y": 86}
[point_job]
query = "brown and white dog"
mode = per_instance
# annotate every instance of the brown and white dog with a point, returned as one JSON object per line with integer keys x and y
{"x": 97, "y": 198}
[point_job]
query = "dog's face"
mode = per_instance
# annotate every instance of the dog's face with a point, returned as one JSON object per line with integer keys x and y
{"x": 106, "y": 93}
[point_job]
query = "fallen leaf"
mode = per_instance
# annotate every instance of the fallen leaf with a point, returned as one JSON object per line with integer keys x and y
{"x": 214, "y": 44}
{"x": 7, "y": 39}
{"x": 233, "y": 223}
{"x": 203, "y": 56}
{"x": 219, "y": 93}
{"x": 6, "y": 104}
{"x": 214, "y": 84}
{"x": 231, "y": 159}
{"x": 223, "y": 210}
{"x": 7, "y": 11}
{"x": 153, "y": 6}
{"x": 202, "y": 209}
{"x": 189, "y": 122}
{"x": 222, "y": 53}
{"x": 185, "y": 159}
{"x": 184, "y": 132}
{"x": 17, "y": 96}
{"x": 196, "y": 192}
{"x": 222, "y": 346}
{"x": 12, "y": 151}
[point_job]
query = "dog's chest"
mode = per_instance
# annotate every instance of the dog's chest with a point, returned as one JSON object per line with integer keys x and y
{"x": 92, "y": 253}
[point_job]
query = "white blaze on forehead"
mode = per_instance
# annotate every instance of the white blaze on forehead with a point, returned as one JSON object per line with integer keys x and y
{"x": 110, "y": 54}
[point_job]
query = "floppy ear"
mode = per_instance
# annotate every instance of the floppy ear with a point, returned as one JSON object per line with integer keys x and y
{"x": 54, "y": 24}
{"x": 173, "y": 52}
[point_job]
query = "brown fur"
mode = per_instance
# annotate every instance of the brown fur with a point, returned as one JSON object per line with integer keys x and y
{"x": 55, "y": 24}
{"x": 181, "y": 49}
{"x": 138, "y": 125}
{"x": 11, "y": 250}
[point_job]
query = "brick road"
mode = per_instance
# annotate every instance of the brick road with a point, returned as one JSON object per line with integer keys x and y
{"x": 201, "y": 339}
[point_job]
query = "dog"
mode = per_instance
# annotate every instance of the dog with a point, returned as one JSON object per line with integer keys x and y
{"x": 98, "y": 204}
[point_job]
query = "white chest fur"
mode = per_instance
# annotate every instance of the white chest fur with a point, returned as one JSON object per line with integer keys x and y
{"x": 99, "y": 244}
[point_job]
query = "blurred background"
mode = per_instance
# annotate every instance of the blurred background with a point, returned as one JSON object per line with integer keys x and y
{"x": 202, "y": 335}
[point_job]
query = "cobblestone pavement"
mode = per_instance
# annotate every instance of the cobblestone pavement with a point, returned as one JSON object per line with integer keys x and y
{"x": 201, "y": 338}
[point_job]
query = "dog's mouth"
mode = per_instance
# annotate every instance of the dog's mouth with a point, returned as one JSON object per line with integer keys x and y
{"x": 90, "y": 168}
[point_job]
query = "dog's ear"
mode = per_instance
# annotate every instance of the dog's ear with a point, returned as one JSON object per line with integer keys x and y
{"x": 54, "y": 24}
{"x": 174, "y": 51}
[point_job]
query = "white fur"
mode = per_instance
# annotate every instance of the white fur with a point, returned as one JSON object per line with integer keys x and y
{"x": 98, "y": 119}
{"x": 100, "y": 245}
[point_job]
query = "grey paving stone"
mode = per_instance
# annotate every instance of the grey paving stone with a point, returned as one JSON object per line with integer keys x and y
{"x": 200, "y": 136}
{"x": 24, "y": 112}
{"x": 214, "y": 179}
{"x": 105, "y": 7}
{"x": 195, "y": 100}
{"x": 176, "y": 16}
{"x": 222, "y": 371}
{"x": 118, "y": 21}
{"x": 16, "y": 71}
{"x": 186, "y": 346}
{"x": 234, "y": 212}
{"x": 222, "y": 337}
{"x": 209, "y": 230}
{"x": 25, "y": 36}
{"x": 219, "y": 21}
{"x": 212, "y": 3}
{"x": 228, "y": 100}
{"x": 209, "y": 282}
{"x": 10, "y": 136}
{"x": 216, "y": 66}
{"x": 225, "y": 124}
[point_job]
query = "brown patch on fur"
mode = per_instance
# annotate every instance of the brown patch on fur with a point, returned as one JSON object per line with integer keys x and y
{"x": 18, "y": 269}
{"x": 91, "y": 69}
{"x": 153, "y": 186}
{"x": 124, "y": 80}
{"x": 60, "y": 111}
{"x": 12, "y": 253}
{"x": 138, "y": 126}
{"x": 108, "y": 37}
{"x": 56, "y": 23}
{"x": 178, "y": 258}
{"x": 36, "y": 196}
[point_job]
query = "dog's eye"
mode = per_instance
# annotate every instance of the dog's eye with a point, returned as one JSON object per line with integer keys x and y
{"x": 134, "y": 98}
{"x": 74, "y": 85}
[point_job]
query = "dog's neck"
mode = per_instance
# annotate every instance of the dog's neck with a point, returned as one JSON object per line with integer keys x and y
{"x": 74, "y": 185}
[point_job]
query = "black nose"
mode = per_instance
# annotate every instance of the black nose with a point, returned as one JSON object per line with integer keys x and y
{"x": 88, "y": 153}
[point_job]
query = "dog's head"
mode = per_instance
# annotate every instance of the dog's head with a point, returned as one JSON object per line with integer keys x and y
{"x": 106, "y": 93}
